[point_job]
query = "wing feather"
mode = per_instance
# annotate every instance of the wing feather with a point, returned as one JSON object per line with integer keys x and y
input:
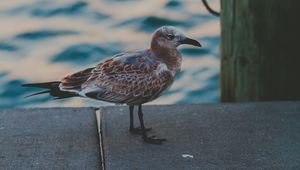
{"x": 74, "y": 81}
{"x": 130, "y": 79}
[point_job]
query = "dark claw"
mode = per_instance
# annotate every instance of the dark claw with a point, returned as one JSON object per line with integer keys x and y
{"x": 138, "y": 130}
{"x": 154, "y": 140}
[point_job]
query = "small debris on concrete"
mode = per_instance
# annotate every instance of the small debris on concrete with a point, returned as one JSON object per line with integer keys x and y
{"x": 187, "y": 156}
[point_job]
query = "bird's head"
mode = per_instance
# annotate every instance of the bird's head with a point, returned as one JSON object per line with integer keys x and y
{"x": 169, "y": 37}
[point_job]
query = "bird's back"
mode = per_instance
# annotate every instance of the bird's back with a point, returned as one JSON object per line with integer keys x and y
{"x": 132, "y": 78}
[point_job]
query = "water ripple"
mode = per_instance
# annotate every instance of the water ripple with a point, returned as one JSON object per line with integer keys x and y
{"x": 43, "y": 34}
{"x": 151, "y": 23}
{"x": 84, "y": 53}
{"x": 194, "y": 51}
{"x": 71, "y": 9}
{"x": 173, "y": 4}
{"x": 8, "y": 47}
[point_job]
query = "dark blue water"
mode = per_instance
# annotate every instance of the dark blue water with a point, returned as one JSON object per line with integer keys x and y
{"x": 46, "y": 40}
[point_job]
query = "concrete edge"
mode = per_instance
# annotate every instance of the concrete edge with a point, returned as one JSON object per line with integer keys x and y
{"x": 99, "y": 117}
{"x": 203, "y": 104}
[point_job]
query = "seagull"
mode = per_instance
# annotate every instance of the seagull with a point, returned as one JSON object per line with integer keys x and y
{"x": 131, "y": 78}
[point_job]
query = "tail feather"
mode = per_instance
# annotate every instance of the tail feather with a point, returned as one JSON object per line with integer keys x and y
{"x": 53, "y": 90}
{"x": 34, "y": 94}
{"x": 45, "y": 85}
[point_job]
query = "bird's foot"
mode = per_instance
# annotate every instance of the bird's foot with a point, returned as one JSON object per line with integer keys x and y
{"x": 153, "y": 140}
{"x": 138, "y": 130}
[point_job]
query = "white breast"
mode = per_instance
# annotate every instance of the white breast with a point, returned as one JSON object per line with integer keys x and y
{"x": 161, "y": 68}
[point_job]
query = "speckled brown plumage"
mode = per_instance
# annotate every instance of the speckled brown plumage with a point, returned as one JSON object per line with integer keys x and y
{"x": 132, "y": 78}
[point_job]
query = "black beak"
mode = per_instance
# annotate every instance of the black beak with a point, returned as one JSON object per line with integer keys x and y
{"x": 191, "y": 42}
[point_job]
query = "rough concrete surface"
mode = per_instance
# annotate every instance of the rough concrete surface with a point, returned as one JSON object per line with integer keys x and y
{"x": 207, "y": 136}
{"x": 56, "y": 138}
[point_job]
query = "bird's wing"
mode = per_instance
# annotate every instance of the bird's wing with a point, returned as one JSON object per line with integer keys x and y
{"x": 127, "y": 78}
{"x": 74, "y": 81}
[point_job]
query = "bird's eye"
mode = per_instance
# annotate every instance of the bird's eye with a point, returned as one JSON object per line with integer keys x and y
{"x": 170, "y": 36}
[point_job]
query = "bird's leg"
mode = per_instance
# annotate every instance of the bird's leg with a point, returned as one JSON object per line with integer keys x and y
{"x": 147, "y": 139}
{"x": 131, "y": 126}
{"x": 132, "y": 129}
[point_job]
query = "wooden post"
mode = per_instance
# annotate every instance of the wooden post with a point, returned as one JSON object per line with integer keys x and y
{"x": 260, "y": 50}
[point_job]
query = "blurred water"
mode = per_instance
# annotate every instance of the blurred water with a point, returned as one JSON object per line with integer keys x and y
{"x": 43, "y": 40}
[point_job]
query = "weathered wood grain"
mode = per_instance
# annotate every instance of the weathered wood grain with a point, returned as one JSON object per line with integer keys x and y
{"x": 260, "y": 59}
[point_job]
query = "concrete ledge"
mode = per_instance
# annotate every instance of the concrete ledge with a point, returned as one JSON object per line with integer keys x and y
{"x": 58, "y": 138}
{"x": 221, "y": 136}
{"x": 205, "y": 136}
